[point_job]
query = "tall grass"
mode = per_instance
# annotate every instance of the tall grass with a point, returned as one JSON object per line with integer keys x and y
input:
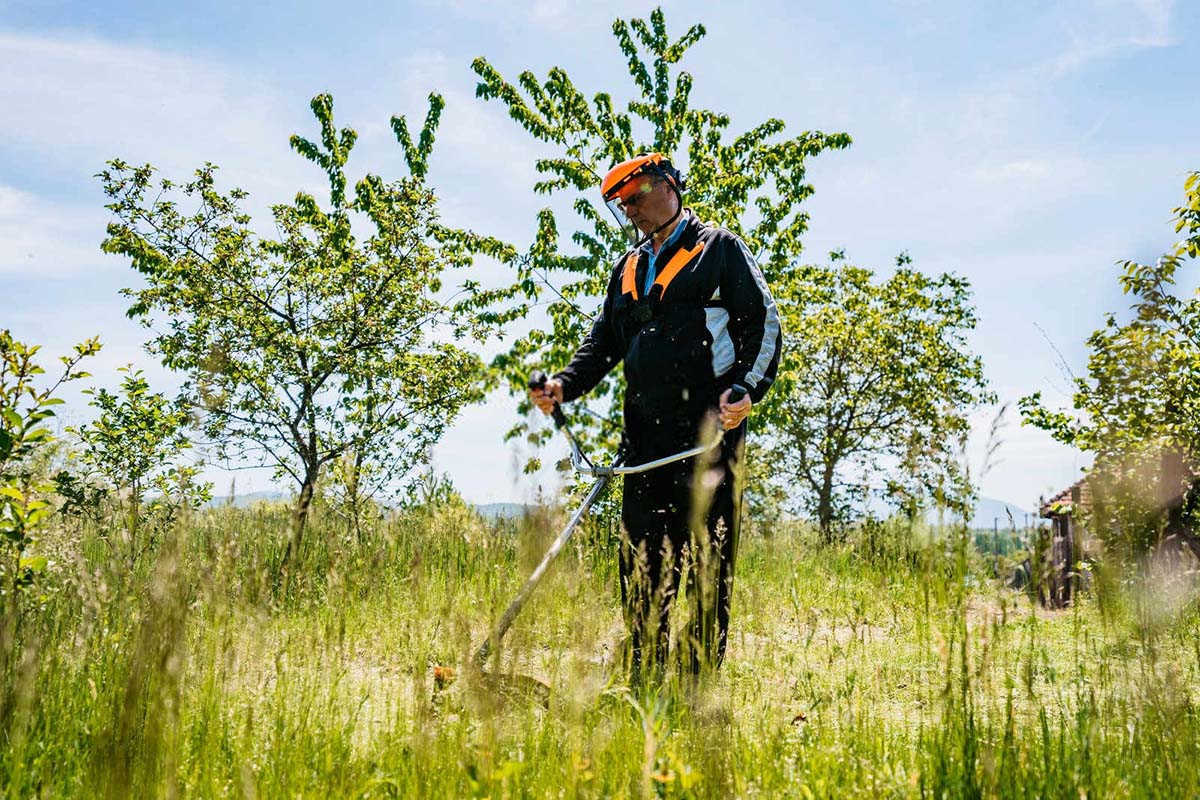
{"x": 890, "y": 666}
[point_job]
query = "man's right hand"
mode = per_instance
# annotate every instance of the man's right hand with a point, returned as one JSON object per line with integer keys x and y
{"x": 550, "y": 393}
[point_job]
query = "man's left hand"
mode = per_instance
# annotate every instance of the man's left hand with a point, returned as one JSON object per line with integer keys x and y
{"x": 732, "y": 414}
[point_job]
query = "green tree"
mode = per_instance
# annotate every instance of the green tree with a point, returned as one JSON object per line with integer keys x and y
{"x": 876, "y": 383}
{"x": 25, "y": 408}
{"x": 752, "y": 183}
{"x": 305, "y": 346}
{"x": 133, "y": 446}
{"x": 1137, "y": 411}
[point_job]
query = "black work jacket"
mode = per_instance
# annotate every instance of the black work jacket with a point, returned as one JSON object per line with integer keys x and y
{"x": 708, "y": 323}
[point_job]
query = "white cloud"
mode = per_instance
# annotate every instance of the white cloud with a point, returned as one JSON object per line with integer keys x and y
{"x": 1158, "y": 16}
{"x": 71, "y": 103}
{"x": 1099, "y": 29}
{"x": 550, "y": 16}
{"x": 472, "y": 132}
{"x": 41, "y": 238}
{"x": 75, "y": 102}
{"x": 79, "y": 101}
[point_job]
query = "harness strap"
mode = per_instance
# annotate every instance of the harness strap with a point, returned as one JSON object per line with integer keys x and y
{"x": 673, "y": 267}
{"x": 629, "y": 278}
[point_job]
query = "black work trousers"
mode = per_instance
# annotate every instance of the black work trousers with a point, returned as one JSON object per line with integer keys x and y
{"x": 680, "y": 526}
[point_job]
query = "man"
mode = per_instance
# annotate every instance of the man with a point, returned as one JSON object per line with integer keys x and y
{"x": 689, "y": 313}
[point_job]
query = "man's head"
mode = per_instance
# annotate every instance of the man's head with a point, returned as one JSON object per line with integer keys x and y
{"x": 646, "y": 191}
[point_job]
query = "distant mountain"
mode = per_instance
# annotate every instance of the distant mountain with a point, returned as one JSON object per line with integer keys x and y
{"x": 493, "y": 511}
{"x": 991, "y": 511}
{"x": 988, "y": 510}
{"x": 249, "y": 499}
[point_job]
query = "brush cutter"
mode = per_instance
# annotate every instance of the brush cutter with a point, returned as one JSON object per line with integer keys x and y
{"x": 519, "y": 684}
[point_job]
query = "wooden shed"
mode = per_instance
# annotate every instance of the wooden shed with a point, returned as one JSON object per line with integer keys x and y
{"x": 1172, "y": 494}
{"x": 1060, "y": 548}
{"x": 1178, "y": 496}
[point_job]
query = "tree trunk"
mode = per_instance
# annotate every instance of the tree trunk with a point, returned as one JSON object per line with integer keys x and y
{"x": 825, "y": 507}
{"x": 352, "y": 491}
{"x": 134, "y": 494}
{"x": 9, "y": 626}
{"x": 300, "y": 517}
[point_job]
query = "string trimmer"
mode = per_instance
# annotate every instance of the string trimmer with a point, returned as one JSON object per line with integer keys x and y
{"x": 521, "y": 684}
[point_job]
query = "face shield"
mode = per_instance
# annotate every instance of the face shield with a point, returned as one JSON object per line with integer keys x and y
{"x": 623, "y": 202}
{"x": 629, "y": 183}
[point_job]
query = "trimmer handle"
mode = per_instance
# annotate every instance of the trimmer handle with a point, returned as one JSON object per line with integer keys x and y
{"x": 537, "y": 381}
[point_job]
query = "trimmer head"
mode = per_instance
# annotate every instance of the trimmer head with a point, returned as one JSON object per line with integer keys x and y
{"x": 508, "y": 687}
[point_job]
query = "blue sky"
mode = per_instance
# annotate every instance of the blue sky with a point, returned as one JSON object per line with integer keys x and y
{"x": 1025, "y": 145}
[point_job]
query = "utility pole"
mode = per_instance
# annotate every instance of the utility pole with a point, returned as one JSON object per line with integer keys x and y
{"x": 995, "y": 547}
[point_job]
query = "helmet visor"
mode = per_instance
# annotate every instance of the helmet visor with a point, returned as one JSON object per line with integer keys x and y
{"x": 623, "y": 197}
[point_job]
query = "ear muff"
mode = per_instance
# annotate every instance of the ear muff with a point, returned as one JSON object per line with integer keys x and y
{"x": 669, "y": 172}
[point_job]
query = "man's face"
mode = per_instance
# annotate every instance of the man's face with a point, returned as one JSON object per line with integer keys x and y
{"x": 649, "y": 203}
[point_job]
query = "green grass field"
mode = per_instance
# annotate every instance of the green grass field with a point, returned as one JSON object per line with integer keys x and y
{"x": 891, "y": 666}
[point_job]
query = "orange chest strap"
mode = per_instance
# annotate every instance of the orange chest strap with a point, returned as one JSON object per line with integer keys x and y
{"x": 678, "y": 261}
{"x": 672, "y": 268}
{"x": 629, "y": 277}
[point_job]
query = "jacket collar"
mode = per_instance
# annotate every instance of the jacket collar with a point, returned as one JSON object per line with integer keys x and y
{"x": 685, "y": 217}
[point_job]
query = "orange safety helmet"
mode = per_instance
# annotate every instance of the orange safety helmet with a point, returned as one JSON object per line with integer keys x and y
{"x": 653, "y": 163}
{"x": 620, "y": 185}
